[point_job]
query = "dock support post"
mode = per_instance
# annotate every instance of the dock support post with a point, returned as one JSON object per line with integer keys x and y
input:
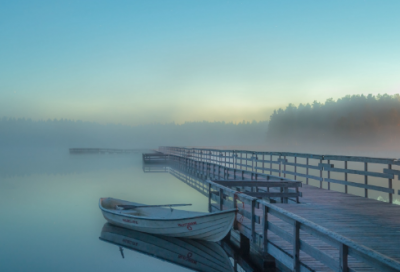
{"x": 244, "y": 245}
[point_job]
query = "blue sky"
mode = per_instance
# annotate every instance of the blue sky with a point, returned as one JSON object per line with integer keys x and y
{"x": 136, "y": 62}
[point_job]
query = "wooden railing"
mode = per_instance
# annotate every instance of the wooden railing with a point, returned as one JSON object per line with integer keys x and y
{"x": 267, "y": 225}
{"x": 362, "y": 176}
{"x": 226, "y": 198}
{"x": 272, "y": 188}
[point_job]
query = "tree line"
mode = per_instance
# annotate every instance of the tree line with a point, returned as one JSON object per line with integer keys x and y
{"x": 351, "y": 121}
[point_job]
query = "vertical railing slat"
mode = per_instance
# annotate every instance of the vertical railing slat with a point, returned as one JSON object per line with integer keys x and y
{"x": 253, "y": 221}
{"x": 221, "y": 199}
{"x": 366, "y": 179}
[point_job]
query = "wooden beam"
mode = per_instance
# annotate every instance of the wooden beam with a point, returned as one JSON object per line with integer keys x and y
{"x": 268, "y": 194}
{"x": 362, "y": 185}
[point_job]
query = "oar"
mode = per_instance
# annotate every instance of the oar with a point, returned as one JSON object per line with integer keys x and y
{"x": 129, "y": 207}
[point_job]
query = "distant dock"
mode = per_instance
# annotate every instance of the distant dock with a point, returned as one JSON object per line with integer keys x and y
{"x": 155, "y": 157}
{"x": 104, "y": 151}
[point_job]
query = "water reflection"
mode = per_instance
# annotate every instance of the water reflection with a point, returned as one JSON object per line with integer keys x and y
{"x": 193, "y": 254}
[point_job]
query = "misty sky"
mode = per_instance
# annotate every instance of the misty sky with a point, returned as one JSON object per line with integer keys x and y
{"x": 136, "y": 62}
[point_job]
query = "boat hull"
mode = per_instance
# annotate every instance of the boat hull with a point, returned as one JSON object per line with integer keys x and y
{"x": 209, "y": 227}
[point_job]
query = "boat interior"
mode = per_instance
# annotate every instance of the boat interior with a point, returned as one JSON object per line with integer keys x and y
{"x": 111, "y": 204}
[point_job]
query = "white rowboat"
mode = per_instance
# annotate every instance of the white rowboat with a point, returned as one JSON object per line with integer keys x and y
{"x": 167, "y": 221}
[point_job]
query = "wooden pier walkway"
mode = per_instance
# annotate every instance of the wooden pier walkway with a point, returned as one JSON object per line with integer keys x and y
{"x": 369, "y": 223}
{"x": 326, "y": 231}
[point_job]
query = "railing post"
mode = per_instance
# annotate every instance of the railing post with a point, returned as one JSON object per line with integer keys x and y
{"x": 295, "y": 167}
{"x": 263, "y": 158}
{"x": 221, "y": 199}
{"x": 209, "y": 197}
{"x": 286, "y": 198}
{"x": 329, "y": 176}
{"x": 345, "y": 177}
{"x": 284, "y": 167}
{"x": 280, "y": 165}
{"x": 252, "y": 163}
{"x": 270, "y": 165}
{"x": 296, "y": 246}
{"x": 253, "y": 221}
{"x": 366, "y": 179}
{"x": 343, "y": 255}
{"x": 235, "y": 225}
{"x": 265, "y": 229}
{"x": 320, "y": 175}
{"x": 390, "y": 186}
{"x": 307, "y": 170}
{"x": 225, "y": 158}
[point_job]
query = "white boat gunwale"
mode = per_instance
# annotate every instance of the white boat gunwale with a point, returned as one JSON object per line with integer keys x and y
{"x": 162, "y": 219}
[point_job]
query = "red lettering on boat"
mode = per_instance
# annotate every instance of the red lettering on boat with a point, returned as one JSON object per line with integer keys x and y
{"x": 188, "y": 225}
{"x": 126, "y": 241}
{"x": 130, "y": 221}
{"x": 188, "y": 258}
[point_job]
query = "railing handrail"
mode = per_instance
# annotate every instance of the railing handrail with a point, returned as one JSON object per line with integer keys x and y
{"x": 337, "y": 237}
{"x": 324, "y": 166}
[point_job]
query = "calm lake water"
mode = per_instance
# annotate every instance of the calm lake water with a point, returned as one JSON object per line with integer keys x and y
{"x": 50, "y": 220}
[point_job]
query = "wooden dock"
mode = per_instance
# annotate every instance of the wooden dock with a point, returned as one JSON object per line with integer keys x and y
{"x": 155, "y": 157}
{"x": 326, "y": 231}
{"x": 104, "y": 151}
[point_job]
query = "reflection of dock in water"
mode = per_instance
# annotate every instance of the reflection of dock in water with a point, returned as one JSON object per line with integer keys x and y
{"x": 155, "y": 169}
{"x": 193, "y": 254}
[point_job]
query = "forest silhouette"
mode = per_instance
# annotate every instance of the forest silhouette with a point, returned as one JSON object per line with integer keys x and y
{"x": 352, "y": 122}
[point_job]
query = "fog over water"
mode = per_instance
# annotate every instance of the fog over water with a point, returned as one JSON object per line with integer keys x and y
{"x": 318, "y": 77}
{"x": 17, "y": 133}
{"x": 353, "y": 125}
